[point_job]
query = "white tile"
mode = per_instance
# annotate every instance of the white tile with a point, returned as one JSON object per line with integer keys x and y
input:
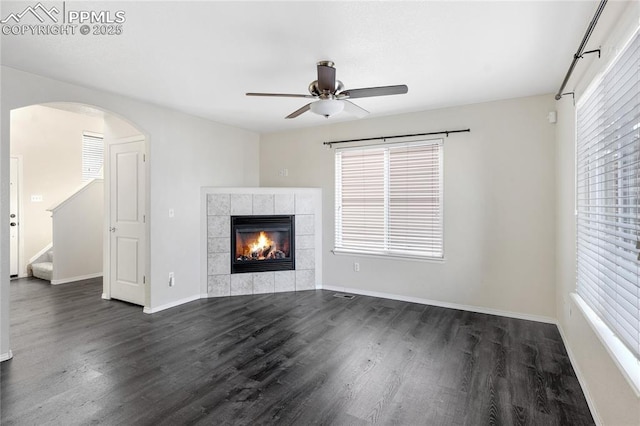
{"x": 218, "y": 226}
{"x": 219, "y": 245}
{"x": 241, "y": 204}
{"x": 305, "y": 204}
{"x": 219, "y": 264}
{"x": 284, "y": 204}
{"x": 218, "y": 204}
{"x": 218, "y": 285}
{"x": 305, "y": 259}
{"x": 285, "y": 281}
{"x": 241, "y": 284}
{"x": 305, "y": 280}
{"x": 263, "y": 282}
{"x": 305, "y": 224}
{"x": 305, "y": 241}
{"x": 263, "y": 204}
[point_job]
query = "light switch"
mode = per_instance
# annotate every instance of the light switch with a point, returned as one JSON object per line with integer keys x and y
{"x": 172, "y": 213}
{"x": 36, "y": 198}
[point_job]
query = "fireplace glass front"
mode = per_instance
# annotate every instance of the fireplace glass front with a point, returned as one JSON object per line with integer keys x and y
{"x": 262, "y": 243}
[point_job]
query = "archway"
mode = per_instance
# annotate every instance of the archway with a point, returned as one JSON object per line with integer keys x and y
{"x": 116, "y": 132}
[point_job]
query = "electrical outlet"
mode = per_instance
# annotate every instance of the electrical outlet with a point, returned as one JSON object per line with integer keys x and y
{"x": 172, "y": 280}
{"x": 284, "y": 172}
{"x": 356, "y": 266}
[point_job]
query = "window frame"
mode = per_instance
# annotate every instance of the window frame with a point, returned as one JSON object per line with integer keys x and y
{"x": 626, "y": 360}
{"x": 397, "y": 254}
{"x": 97, "y": 175}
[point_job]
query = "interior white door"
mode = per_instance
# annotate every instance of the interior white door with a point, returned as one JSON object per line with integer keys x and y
{"x": 127, "y": 221}
{"x": 14, "y": 225}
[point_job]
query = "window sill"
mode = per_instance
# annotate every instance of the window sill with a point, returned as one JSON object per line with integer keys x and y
{"x": 389, "y": 256}
{"x": 626, "y": 361}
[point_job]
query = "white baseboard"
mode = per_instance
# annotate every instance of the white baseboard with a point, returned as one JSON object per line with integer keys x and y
{"x": 78, "y": 278}
{"x": 105, "y": 297}
{"x": 147, "y": 310}
{"x": 6, "y": 356}
{"x": 581, "y": 379}
{"x": 470, "y": 308}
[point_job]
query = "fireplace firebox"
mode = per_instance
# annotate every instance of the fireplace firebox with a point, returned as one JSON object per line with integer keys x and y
{"x": 262, "y": 243}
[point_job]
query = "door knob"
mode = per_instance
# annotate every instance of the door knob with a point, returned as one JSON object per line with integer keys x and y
{"x": 112, "y": 229}
{"x": 13, "y": 224}
{"x": 12, "y": 215}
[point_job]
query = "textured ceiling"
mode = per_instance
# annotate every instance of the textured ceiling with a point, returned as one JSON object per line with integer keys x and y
{"x": 201, "y": 57}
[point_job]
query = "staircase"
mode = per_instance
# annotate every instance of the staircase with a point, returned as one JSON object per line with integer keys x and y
{"x": 43, "y": 266}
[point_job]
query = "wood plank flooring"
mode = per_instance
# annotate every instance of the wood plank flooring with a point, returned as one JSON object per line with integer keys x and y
{"x": 289, "y": 358}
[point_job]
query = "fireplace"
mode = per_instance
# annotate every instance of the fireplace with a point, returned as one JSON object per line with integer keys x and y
{"x": 262, "y": 243}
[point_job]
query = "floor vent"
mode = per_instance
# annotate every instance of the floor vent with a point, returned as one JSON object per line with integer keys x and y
{"x": 344, "y": 296}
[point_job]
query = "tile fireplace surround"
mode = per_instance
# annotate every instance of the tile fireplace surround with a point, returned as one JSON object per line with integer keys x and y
{"x": 219, "y": 204}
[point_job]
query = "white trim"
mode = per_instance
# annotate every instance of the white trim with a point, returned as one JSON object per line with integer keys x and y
{"x": 73, "y": 195}
{"x": 147, "y": 310}
{"x": 78, "y": 278}
{"x": 6, "y": 356}
{"x": 22, "y": 265}
{"x": 622, "y": 356}
{"x": 40, "y": 253}
{"x": 389, "y": 256}
{"x": 470, "y": 308}
{"x": 105, "y": 296}
{"x": 581, "y": 379}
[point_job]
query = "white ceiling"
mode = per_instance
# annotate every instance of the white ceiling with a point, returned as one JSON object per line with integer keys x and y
{"x": 201, "y": 57}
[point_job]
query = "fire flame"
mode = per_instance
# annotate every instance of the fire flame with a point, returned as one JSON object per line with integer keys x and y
{"x": 262, "y": 243}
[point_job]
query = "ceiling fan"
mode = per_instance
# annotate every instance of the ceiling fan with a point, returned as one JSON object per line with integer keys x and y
{"x": 331, "y": 96}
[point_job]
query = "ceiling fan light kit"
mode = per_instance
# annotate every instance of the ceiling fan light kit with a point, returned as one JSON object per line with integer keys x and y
{"x": 331, "y": 96}
{"x": 327, "y": 107}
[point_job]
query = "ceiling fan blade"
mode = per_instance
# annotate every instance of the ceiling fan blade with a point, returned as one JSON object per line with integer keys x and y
{"x": 354, "y": 109}
{"x": 281, "y": 95}
{"x": 326, "y": 77}
{"x": 298, "y": 112}
{"x": 369, "y": 92}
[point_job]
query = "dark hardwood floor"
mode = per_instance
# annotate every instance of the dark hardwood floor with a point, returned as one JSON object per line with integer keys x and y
{"x": 289, "y": 358}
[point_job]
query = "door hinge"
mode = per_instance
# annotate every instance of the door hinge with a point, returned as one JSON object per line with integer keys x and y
{"x": 144, "y": 158}
{"x": 144, "y": 279}
{"x": 144, "y": 218}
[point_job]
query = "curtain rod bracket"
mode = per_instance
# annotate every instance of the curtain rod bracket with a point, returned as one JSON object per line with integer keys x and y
{"x": 590, "y": 51}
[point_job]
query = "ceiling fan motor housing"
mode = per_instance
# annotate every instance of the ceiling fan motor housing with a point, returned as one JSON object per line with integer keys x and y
{"x": 331, "y": 96}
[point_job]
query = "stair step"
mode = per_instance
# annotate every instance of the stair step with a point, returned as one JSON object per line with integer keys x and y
{"x": 43, "y": 270}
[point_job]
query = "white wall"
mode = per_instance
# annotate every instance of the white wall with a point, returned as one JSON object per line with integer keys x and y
{"x": 612, "y": 399}
{"x": 185, "y": 153}
{"x": 50, "y": 144}
{"x": 498, "y": 200}
{"x": 78, "y": 226}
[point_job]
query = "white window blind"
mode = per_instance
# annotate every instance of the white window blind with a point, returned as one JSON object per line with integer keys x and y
{"x": 92, "y": 156}
{"x": 608, "y": 197}
{"x": 389, "y": 200}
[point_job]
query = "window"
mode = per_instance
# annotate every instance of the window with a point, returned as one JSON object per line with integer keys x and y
{"x": 608, "y": 197}
{"x": 92, "y": 156}
{"x": 389, "y": 200}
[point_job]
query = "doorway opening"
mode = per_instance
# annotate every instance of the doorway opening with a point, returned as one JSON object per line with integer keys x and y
{"x": 80, "y": 227}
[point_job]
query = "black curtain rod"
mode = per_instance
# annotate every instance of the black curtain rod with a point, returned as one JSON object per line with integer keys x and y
{"x": 445, "y": 132}
{"x": 581, "y": 51}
